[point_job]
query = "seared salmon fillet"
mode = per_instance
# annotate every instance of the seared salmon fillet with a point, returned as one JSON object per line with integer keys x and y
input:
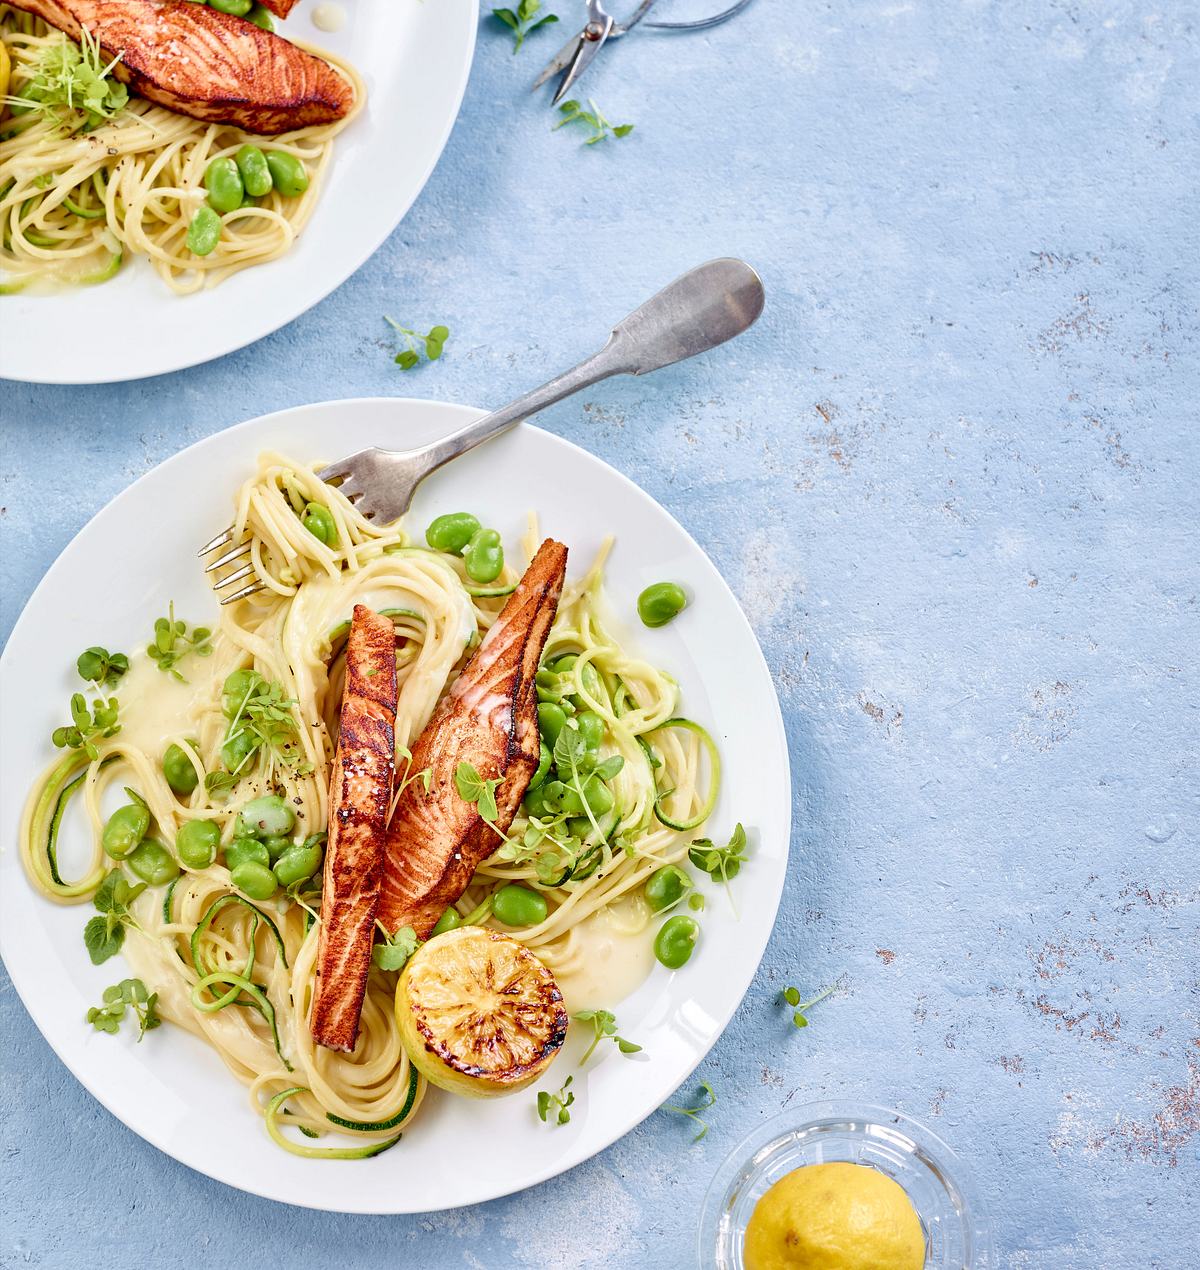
{"x": 436, "y": 841}
{"x": 200, "y": 62}
{"x": 359, "y": 797}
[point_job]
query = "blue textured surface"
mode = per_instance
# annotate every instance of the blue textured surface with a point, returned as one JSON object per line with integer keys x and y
{"x": 952, "y": 477}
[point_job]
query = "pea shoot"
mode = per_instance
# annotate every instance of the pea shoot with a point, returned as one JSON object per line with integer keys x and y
{"x": 720, "y": 862}
{"x": 472, "y": 788}
{"x": 88, "y": 724}
{"x": 434, "y": 342}
{"x": 104, "y": 934}
{"x": 790, "y": 997}
{"x": 524, "y": 20}
{"x": 396, "y": 949}
{"x": 260, "y": 722}
{"x": 555, "y": 1104}
{"x": 128, "y": 994}
{"x": 172, "y": 643}
{"x": 604, "y": 1025}
{"x": 708, "y": 1099}
{"x": 100, "y": 667}
{"x": 73, "y": 85}
{"x": 573, "y": 112}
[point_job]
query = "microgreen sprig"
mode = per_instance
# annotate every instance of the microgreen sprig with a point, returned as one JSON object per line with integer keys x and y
{"x": 104, "y": 934}
{"x": 709, "y": 1099}
{"x": 97, "y": 665}
{"x": 88, "y": 723}
{"x": 434, "y": 342}
{"x": 472, "y": 788}
{"x": 73, "y": 85}
{"x": 604, "y": 1024}
{"x": 396, "y": 949}
{"x": 573, "y": 112}
{"x": 128, "y": 994}
{"x": 172, "y": 643}
{"x": 556, "y": 1104}
{"x": 791, "y": 997}
{"x": 262, "y": 721}
{"x": 521, "y": 21}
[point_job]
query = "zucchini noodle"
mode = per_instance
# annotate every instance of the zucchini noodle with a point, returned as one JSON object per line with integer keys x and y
{"x": 239, "y": 973}
{"x": 75, "y": 205}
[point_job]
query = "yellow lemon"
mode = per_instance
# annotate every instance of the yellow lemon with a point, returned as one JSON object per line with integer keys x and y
{"x": 834, "y": 1217}
{"x": 5, "y": 73}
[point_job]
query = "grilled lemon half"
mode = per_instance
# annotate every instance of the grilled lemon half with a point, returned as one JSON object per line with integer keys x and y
{"x": 478, "y": 1013}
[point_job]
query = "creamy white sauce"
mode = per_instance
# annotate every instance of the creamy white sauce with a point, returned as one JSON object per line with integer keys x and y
{"x": 615, "y": 961}
{"x": 329, "y": 17}
{"x": 155, "y": 706}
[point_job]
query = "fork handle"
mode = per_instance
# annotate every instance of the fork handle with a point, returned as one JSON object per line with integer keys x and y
{"x": 698, "y": 311}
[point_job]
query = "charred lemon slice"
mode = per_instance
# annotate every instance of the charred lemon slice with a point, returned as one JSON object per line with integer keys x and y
{"x": 478, "y": 1013}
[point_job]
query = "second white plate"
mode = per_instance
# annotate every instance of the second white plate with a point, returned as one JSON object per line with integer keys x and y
{"x": 415, "y": 59}
{"x": 139, "y": 553}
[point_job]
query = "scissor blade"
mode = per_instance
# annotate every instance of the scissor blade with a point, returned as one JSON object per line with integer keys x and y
{"x": 588, "y": 49}
{"x": 561, "y": 60}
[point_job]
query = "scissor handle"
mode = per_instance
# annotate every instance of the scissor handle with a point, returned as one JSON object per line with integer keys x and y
{"x": 623, "y": 28}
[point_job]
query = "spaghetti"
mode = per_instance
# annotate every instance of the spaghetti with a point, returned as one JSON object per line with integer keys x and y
{"x": 204, "y": 947}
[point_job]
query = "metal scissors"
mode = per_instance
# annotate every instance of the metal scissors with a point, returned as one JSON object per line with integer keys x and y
{"x": 578, "y": 53}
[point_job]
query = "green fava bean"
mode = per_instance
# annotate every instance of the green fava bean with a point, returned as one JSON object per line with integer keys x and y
{"x": 125, "y": 828}
{"x": 254, "y": 880}
{"x": 484, "y": 556}
{"x": 246, "y": 851}
{"x": 288, "y": 174}
{"x": 267, "y": 817}
{"x": 551, "y": 721}
{"x": 534, "y": 803}
{"x": 252, "y": 167}
{"x": 234, "y": 690}
{"x": 451, "y": 531}
{"x": 223, "y": 182}
{"x": 197, "y": 843}
{"x": 674, "y": 942}
{"x": 560, "y": 665}
{"x": 661, "y": 602}
{"x": 298, "y": 863}
{"x": 236, "y": 749}
{"x": 239, "y": 8}
{"x": 319, "y": 522}
{"x": 667, "y": 886}
{"x": 449, "y": 920}
{"x": 204, "y": 232}
{"x": 260, "y": 17}
{"x": 591, "y": 728}
{"x": 277, "y": 845}
{"x": 178, "y": 769}
{"x": 153, "y": 863}
{"x": 518, "y": 906}
{"x": 545, "y": 758}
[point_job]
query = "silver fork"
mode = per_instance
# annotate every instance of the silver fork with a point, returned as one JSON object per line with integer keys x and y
{"x": 698, "y": 311}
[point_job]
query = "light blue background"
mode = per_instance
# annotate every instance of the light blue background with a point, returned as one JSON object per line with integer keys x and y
{"x": 952, "y": 477}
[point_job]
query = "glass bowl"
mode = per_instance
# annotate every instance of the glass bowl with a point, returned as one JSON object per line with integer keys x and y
{"x": 957, "y": 1235}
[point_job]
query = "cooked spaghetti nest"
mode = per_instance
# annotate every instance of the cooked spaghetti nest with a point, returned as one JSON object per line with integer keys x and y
{"x": 197, "y": 947}
{"x": 75, "y": 205}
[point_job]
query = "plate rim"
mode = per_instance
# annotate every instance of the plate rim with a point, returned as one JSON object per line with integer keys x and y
{"x": 577, "y": 1154}
{"x": 58, "y": 373}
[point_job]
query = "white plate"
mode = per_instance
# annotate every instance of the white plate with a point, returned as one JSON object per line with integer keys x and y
{"x": 139, "y": 553}
{"x": 415, "y": 58}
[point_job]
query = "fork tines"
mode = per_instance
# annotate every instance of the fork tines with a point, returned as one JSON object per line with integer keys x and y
{"x": 238, "y": 563}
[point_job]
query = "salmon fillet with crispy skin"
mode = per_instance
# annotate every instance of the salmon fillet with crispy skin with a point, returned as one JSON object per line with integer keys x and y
{"x": 200, "y": 62}
{"x": 436, "y": 841}
{"x": 359, "y": 797}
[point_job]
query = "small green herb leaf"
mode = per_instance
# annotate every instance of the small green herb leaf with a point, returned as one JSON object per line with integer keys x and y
{"x": 790, "y": 997}
{"x": 524, "y": 21}
{"x": 573, "y": 112}
{"x": 604, "y": 1024}
{"x": 707, "y": 1099}
{"x": 556, "y": 1104}
{"x": 99, "y": 666}
{"x": 396, "y": 949}
{"x": 433, "y": 343}
{"x": 472, "y": 788}
{"x": 172, "y": 643}
{"x": 128, "y": 994}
